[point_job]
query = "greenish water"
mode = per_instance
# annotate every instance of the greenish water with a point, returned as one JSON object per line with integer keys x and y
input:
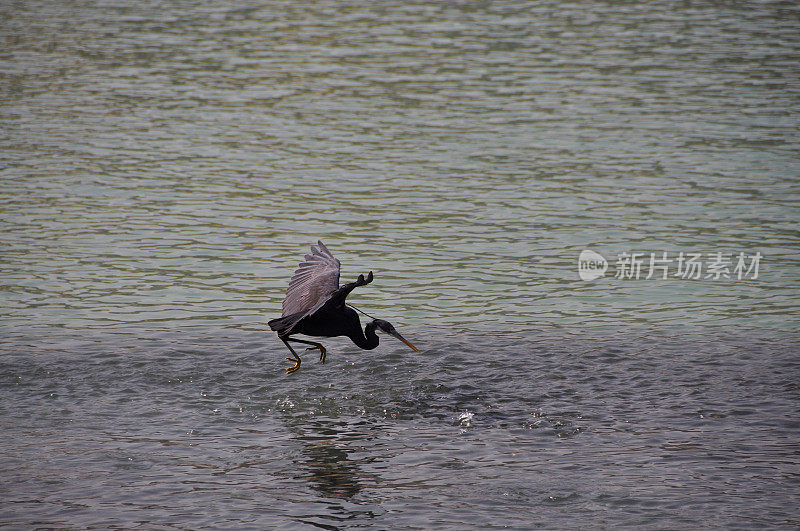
{"x": 174, "y": 167}
{"x": 164, "y": 166}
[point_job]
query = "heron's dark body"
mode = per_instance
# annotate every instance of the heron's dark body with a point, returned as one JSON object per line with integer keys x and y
{"x": 329, "y": 322}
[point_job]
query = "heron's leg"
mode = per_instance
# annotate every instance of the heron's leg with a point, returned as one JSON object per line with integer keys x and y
{"x": 314, "y": 344}
{"x": 296, "y": 359}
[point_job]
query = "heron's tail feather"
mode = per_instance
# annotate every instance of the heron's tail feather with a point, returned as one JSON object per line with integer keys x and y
{"x": 283, "y": 324}
{"x": 278, "y": 324}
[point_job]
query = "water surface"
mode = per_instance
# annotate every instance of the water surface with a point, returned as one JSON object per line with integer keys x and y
{"x": 163, "y": 167}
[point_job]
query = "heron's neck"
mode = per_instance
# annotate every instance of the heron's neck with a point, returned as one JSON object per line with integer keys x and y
{"x": 367, "y": 339}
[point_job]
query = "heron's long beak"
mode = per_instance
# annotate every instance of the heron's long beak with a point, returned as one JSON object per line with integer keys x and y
{"x": 404, "y": 340}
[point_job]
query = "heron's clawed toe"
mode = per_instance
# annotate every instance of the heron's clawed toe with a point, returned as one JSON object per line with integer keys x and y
{"x": 322, "y": 352}
{"x": 296, "y": 366}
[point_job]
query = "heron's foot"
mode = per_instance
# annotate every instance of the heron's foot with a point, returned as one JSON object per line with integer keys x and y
{"x": 322, "y": 352}
{"x": 290, "y": 370}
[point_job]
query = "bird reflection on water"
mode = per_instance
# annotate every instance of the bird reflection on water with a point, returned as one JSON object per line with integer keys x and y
{"x": 330, "y": 470}
{"x": 326, "y": 467}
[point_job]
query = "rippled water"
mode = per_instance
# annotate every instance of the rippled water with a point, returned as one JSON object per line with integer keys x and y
{"x": 163, "y": 166}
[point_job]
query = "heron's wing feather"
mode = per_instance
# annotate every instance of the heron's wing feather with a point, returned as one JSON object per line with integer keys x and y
{"x": 314, "y": 281}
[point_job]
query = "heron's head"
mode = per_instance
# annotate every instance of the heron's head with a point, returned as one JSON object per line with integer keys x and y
{"x": 387, "y": 327}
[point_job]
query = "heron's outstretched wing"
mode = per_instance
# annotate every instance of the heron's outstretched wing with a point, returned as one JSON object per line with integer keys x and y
{"x": 313, "y": 282}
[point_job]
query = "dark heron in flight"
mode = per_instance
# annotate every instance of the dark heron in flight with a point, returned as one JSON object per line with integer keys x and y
{"x": 315, "y": 306}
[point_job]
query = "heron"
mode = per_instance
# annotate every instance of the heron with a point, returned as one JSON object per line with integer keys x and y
{"x": 315, "y": 306}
